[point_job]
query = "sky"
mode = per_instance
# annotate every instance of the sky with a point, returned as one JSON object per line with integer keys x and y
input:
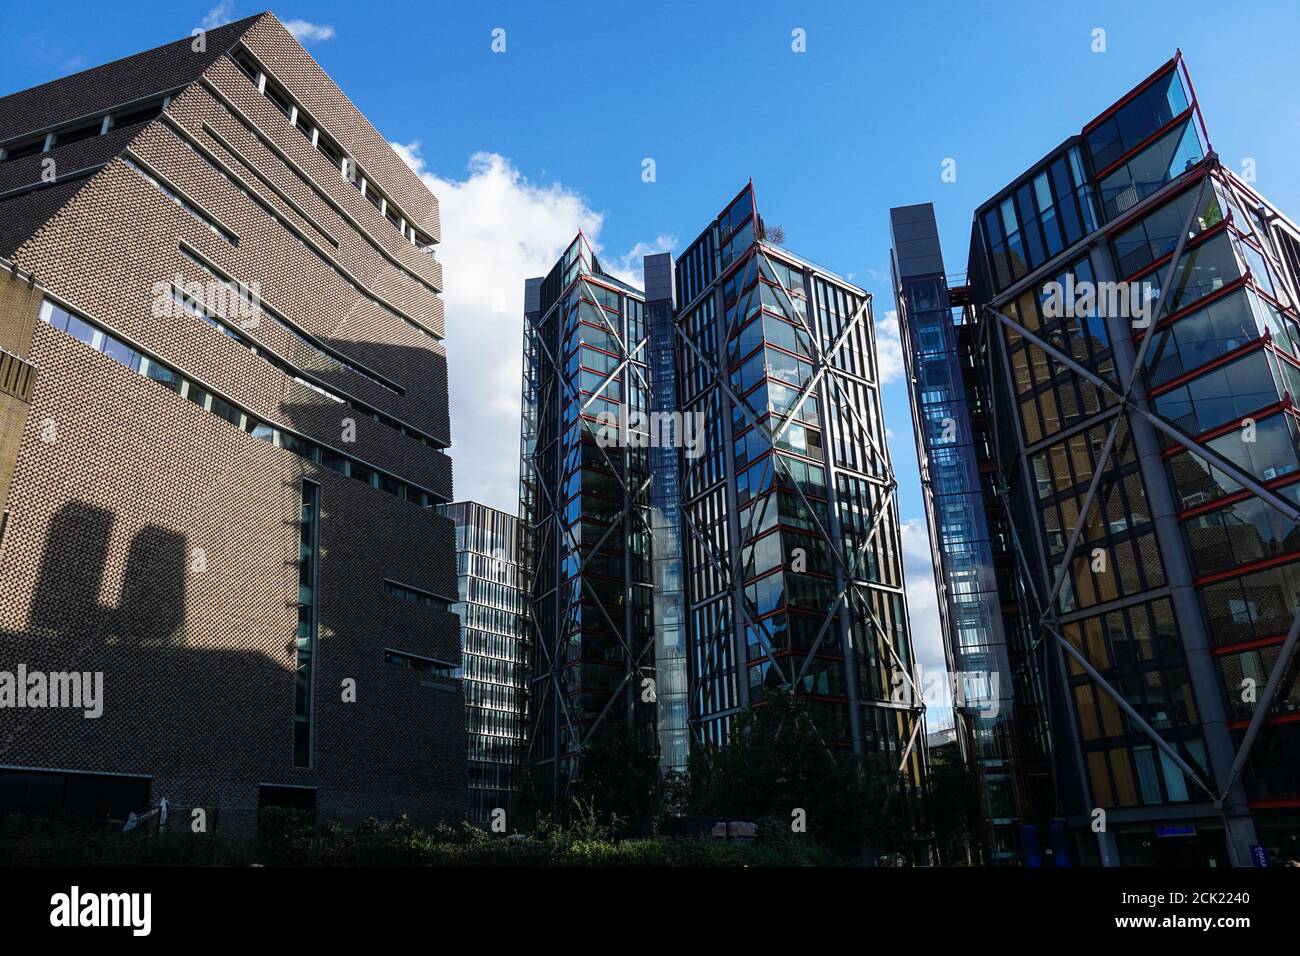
{"x": 530, "y": 120}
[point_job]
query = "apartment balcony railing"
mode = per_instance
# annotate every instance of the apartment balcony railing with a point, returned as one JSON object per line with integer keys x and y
{"x": 17, "y": 377}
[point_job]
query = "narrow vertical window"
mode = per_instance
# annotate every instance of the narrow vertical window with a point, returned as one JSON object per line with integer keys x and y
{"x": 308, "y": 530}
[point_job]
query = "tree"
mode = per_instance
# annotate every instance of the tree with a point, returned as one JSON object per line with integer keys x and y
{"x": 777, "y": 764}
{"x": 618, "y": 776}
{"x": 951, "y": 806}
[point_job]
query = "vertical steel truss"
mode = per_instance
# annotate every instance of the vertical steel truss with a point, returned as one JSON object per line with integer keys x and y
{"x": 552, "y": 527}
{"x": 1124, "y": 403}
{"x": 848, "y": 560}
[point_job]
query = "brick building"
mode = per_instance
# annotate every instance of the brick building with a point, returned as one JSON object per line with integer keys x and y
{"x": 223, "y": 394}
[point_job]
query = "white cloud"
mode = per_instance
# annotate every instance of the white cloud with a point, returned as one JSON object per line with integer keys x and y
{"x": 306, "y": 32}
{"x": 923, "y": 613}
{"x": 218, "y": 16}
{"x": 500, "y": 228}
{"x": 889, "y": 347}
{"x": 630, "y": 267}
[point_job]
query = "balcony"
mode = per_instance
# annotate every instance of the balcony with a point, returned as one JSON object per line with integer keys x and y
{"x": 17, "y": 377}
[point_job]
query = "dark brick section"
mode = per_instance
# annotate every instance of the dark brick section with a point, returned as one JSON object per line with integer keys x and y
{"x": 23, "y": 215}
{"x": 122, "y": 81}
{"x": 153, "y": 541}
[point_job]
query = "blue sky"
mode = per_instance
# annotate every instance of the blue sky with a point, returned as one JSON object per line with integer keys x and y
{"x": 524, "y": 146}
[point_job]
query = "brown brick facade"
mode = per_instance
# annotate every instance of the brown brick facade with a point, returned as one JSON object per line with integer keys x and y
{"x": 157, "y": 543}
{"x": 19, "y": 306}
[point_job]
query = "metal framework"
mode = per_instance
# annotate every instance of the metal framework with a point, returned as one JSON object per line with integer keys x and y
{"x": 1125, "y": 404}
{"x": 828, "y": 381}
{"x": 548, "y": 532}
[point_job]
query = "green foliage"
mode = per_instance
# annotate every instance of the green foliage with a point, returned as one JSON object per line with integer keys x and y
{"x": 64, "y": 842}
{"x": 532, "y": 805}
{"x": 289, "y": 838}
{"x": 776, "y": 763}
{"x": 619, "y": 775}
{"x": 951, "y": 807}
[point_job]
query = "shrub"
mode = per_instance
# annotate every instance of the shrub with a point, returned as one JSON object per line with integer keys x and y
{"x": 291, "y": 838}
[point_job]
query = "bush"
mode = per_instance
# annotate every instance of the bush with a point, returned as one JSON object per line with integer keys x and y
{"x": 291, "y": 838}
{"x": 70, "y": 841}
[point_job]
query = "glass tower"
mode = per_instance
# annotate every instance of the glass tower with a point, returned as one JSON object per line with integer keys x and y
{"x": 1139, "y": 347}
{"x": 749, "y": 485}
{"x": 794, "y": 575}
{"x": 585, "y": 504}
{"x": 492, "y": 653}
{"x": 671, "y": 695}
{"x": 1000, "y": 727}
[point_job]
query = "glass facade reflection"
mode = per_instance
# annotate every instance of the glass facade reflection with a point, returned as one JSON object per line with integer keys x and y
{"x": 585, "y": 504}
{"x": 1176, "y": 595}
{"x": 672, "y": 699}
{"x": 758, "y": 550}
{"x": 999, "y": 735}
{"x": 492, "y": 653}
{"x": 794, "y": 572}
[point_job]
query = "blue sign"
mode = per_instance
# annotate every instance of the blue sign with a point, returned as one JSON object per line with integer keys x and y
{"x": 1175, "y": 830}
{"x": 1259, "y": 855}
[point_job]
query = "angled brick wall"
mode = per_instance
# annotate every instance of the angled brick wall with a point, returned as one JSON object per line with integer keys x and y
{"x": 153, "y": 541}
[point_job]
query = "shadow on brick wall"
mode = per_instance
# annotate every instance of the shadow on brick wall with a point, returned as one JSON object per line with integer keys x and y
{"x": 167, "y": 699}
{"x": 66, "y": 599}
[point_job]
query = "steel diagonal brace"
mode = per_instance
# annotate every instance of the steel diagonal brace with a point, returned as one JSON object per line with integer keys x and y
{"x": 1229, "y": 468}
{"x": 821, "y": 634}
{"x": 1287, "y": 651}
{"x": 554, "y": 519}
{"x": 758, "y": 626}
{"x": 555, "y": 680}
{"x": 586, "y": 425}
{"x": 564, "y": 531}
{"x": 1067, "y": 360}
{"x": 826, "y": 357}
{"x": 911, "y": 743}
{"x": 845, "y": 569}
{"x": 907, "y": 752}
{"x": 1132, "y": 714}
{"x": 1172, "y": 431}
{"x": 614, "y": 694}
{"x": 823, "y": 358}
{"x": 1077, "y": 531}
{"x": 889, "y": 644}
{"x": 1264, "y": 703}
{"x": 826, "y": 363}
{"x": 1180, "y": 437}
{"x": 584, "y": 279}
{"x": 614, "y": 523}
{"x": 1103, "y": 458}
{"x": 853, "y": 586}
{"x": 778, "y": 460}
{"x": 876, "y": 523}
{"x": 877, "y": 520}
{"x": 864, "y": 433}
{"x": 576, "y": 395}
{"x": 1047, "y": 607}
